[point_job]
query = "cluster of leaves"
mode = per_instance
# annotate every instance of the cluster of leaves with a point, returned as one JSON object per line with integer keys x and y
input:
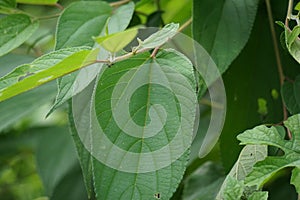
{"x": 95, "y": 35}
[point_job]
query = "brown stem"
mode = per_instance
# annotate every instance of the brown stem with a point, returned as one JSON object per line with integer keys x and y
{"x": 119, "y": 3}
{"x": 277, "y": 55}
{"x": 59, "y": 6}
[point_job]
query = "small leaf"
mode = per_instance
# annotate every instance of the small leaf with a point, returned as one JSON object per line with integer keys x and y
{"x": 292, "y": 40}
{"x": 262, "y": 106}
{"x": 264, "y": 170}
{"x": 295, "y": 179}
{"x": 258, "y": 196}
{"x": 297, "y": 7}
{"x": 43, "y": 70}
{"x": 117, "y": 41}
{"x": 38, "y": 2}
{"x": 76, "y": 26}
{"x": 291, "y": 95}
{"x": 14, "y": 30}
{"x": 159, "y": 38}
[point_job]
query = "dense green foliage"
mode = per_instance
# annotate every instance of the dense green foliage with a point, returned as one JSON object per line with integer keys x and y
{"x": 108, "y": 100}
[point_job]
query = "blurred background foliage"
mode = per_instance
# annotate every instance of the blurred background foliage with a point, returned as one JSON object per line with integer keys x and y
{"x": 37, "y": 155}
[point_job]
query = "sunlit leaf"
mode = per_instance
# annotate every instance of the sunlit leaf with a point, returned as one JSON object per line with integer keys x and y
{"x": 38, "y": 2}
{"x": 43, "y": 70}
{"x": 117, "y": 41}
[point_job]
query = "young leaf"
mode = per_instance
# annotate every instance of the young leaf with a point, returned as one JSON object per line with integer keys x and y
{"x": 14, "y": 30}
{"x": 292, "y": 40}
{"x": 295, "y": 179}
{"x": 264, "y": 170}
{"x": 76, "y": 26}
{"x": 159, "y": 38}
{"x": 223, "y": 28}
{"x": 43, "y": 70}
{"x": 291, "y": 95}
{"x": 117, "y": 41}
{"x": 143, "y": 178}
{"x": 38, "y": 2}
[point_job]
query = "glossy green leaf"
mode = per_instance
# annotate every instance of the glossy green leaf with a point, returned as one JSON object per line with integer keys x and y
{"x": 297, "y": 7}
{"x": 76, "y": 26}
{"x": 204, "y": 183}
{"x": 295, "y": 179}
{"x": 249, "y": 155}
{"x": 14, "y": 30}
{"x": 258, "y": 196}
{"x": 159, "y": 38}
{"x": 8, "y": 3}
{"x": 117, "y": 41}
{"x": 223, "y": 27}
{"x": 264, "y": 170}
{"x": 38, "y": 2}
{"x": 291, "y": 95}
{"x": 43, "y": 70}
{"x": 134, "y": 184}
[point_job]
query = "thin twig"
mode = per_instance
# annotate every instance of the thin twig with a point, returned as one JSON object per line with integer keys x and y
{"x": 277, "y": 55}
{"x": 185, "y": 25}
{"x": 290, "y": 9}
{"x": 59, "y": 6}
{"x": 119, "y": 3}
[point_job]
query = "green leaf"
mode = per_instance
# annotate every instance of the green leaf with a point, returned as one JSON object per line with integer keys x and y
{"x": 38, "y": 2}
{"x": 292, "y": 40}
{"x": 117, "y": 41}
{"x": 291, "y": 95}
{"x": 15, "y": 30}
{"x": 8, "y": 3}
{"x": 223, "y": 28}
{"x": 22, "y": 105}
{"x": 159, "y": 38}
{"x": 249, "y": 155}
{"x": 295, "y": 179}
{"x": 264, "y": 170}
{"x": 234, "y": 189}
{"x": 76, "y": 26}
{"x": 43, "y": 70}
{"x": 297, "y": 7}
{"x": 67, "y": 85}
{"x": 120, "y": 18}
{"x": 169, "y": 67}
{"x": 258, "y": 196}
{"x": 204, "y": 183}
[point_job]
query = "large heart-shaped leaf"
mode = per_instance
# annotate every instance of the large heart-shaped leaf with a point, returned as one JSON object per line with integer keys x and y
{"x": 152, "y": 159}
